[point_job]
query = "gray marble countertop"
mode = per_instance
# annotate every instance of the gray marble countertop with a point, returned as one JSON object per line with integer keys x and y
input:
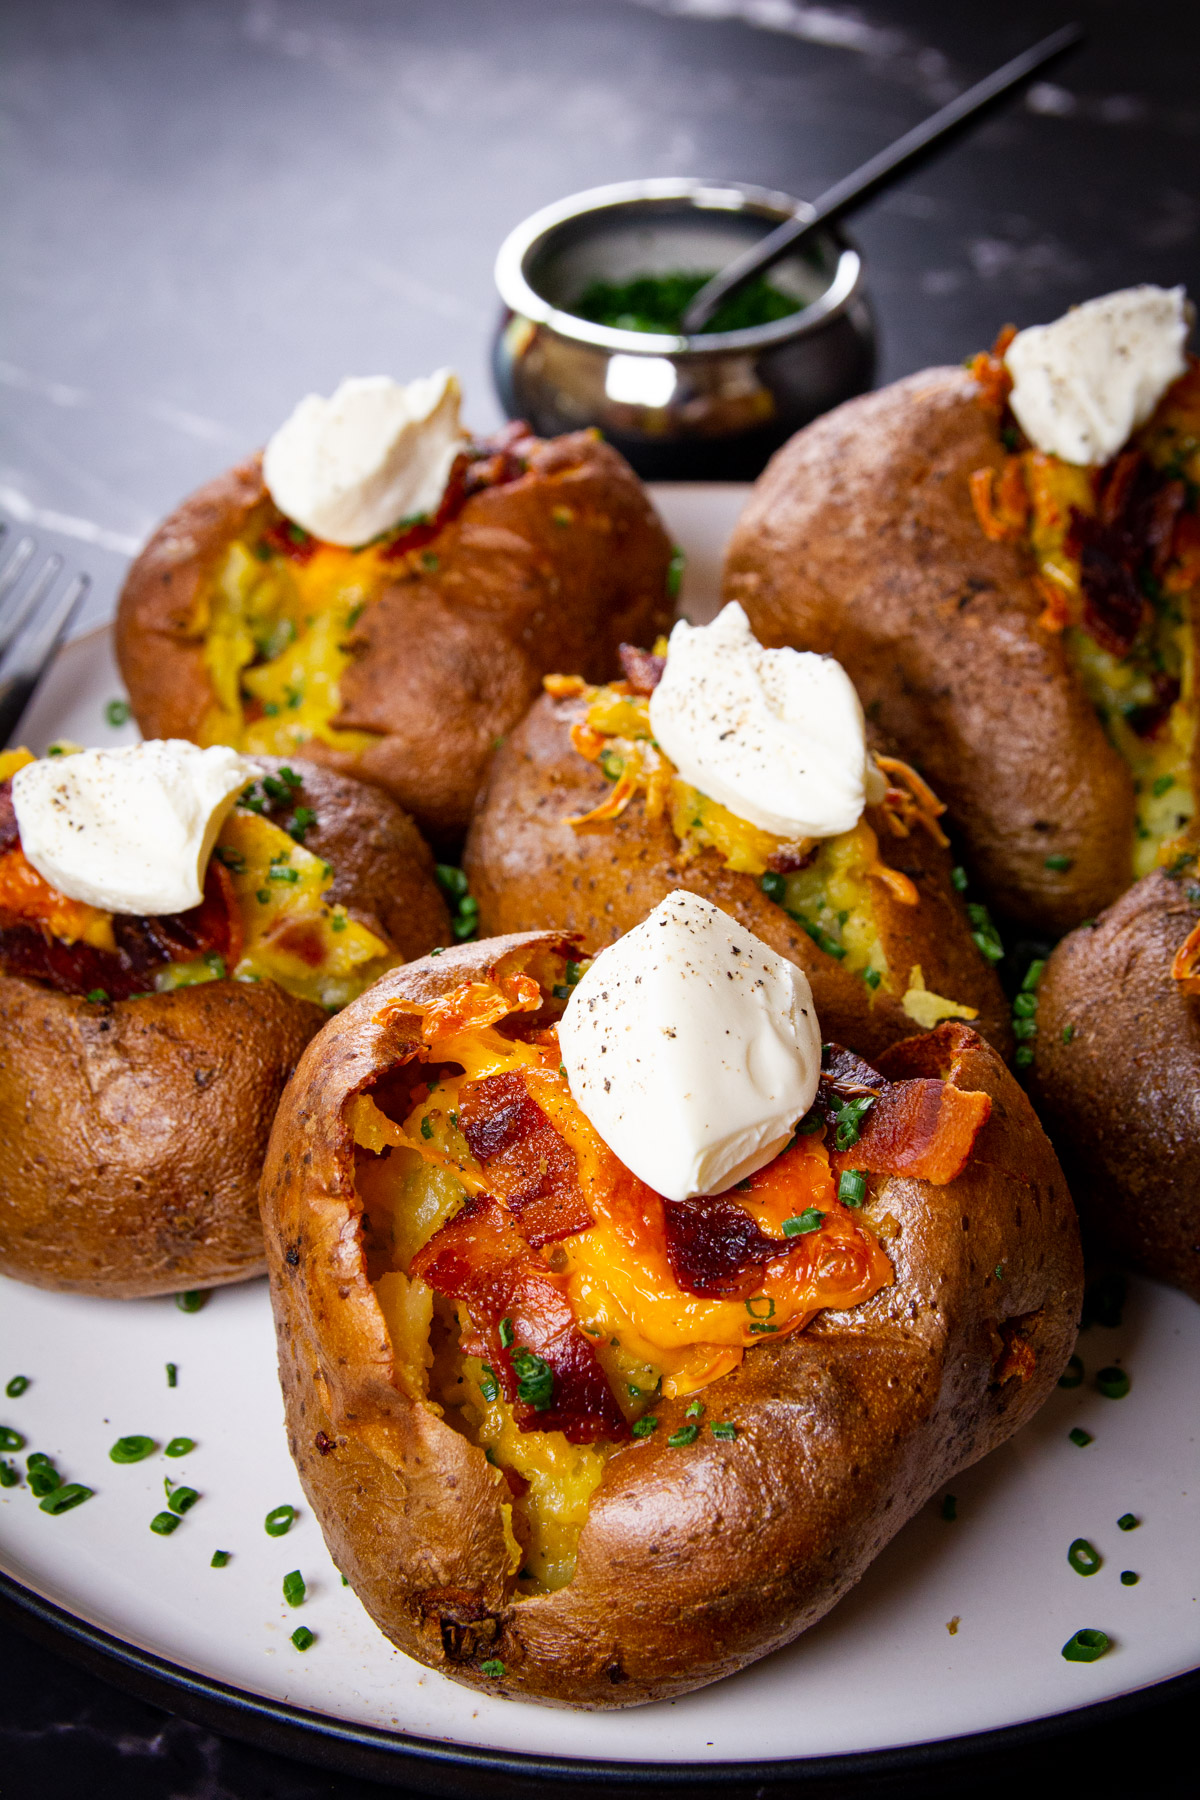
{"x": 210, "y": 207}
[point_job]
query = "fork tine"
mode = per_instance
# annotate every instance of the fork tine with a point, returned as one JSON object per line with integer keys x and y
{"x": 26, "y": 606}
{"x": 15, "y": 567}
{"x": 22, "y": 673}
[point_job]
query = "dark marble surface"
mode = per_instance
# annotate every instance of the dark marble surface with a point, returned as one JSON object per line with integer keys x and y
{"x": 211, "y": 206}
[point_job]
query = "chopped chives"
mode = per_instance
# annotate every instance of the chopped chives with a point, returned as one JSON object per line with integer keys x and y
{"x": 303, "y": 1638}
{"x": 279, "y": 1520}
{"x": 723, "y": 1429}
{"x": 16, "y": 1387}
{"x": 42, "y": 1476}
{"x": 180, "y": 1446}
{"x": 695, "y": 1409}
{"x": 64, "y": 1497}
{"x": 809, "y": 1220}
{"x": 192, "y": 1300}
{"x": 1086, "y": 1646}
{"x": 1072, "y": 1375}
{"x": 1128, "y": 1522}
{"x": 1113, "y": 1383}
{"x": 9, "y": 1476}
{"x": 1059, "y": 863}
{"x": 10, "y": 1439}
{"x": 493, "y": 1668}
{"x": 1129, "y": 1578}
{"x": 1079, "y": 1436}
{"x": 294, "y": 1589}
{"x": 172, "y": 1375}
{"x": 220, "y": 1558}
{"x": 852, "y": 1187}
{"x": 132, "y": 1449}
{"x": 687, "y": 1434}
{"x": 506, "y": 1333}
{"x": 164, "y": 1523}
{"x": 642, "y": 1428}
{"x": 183, "y": 1500}
{"x": 1083, "y": 1557}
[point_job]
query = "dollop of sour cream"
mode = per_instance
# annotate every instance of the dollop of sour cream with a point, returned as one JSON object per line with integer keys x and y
{"x": 692, "y": 1048}
{"x": 1084, "y": 384}
{"x": 128, "y": 830}
{"x": 376, "y": 452}
{"x": 776, "y": 736}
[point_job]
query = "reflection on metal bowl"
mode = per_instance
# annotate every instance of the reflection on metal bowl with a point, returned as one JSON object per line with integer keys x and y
{"x": 709, "y": 407}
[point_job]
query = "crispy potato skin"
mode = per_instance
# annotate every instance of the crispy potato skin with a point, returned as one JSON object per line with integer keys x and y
{"x": 528, "y": 868}
{"x": 132, "y": 1134}
{"x": 696, "y": 1561}
{"x": 447, "y": 659}
{"x": 860, "y": 540}
{"x": 1122, "y": 1099}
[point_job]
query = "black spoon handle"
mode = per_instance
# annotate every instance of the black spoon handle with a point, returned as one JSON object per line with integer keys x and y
{"x": 877, "y": 172}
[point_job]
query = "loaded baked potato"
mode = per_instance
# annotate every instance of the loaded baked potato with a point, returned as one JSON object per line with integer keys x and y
{"x": 1116, "y": 1072}
{"x": 1022, "y": 627}
{"x": 401, "y": 660}
{"x": 575, "y": 1443}
{"x": 584, "y": 826}
{"x": 138, "y": 1076}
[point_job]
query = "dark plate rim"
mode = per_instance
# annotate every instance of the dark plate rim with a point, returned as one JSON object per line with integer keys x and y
{"x": 370, "y": 1750}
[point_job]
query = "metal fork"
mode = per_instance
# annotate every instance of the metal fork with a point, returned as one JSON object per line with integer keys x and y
{"x": 34, "y": 620}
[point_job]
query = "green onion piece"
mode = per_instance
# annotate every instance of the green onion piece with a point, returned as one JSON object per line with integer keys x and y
{"x": 427, "y": 1127}
{"x": 1113, "y": 1383}
{"x": 774, "y": 886}
{"x": 760, "y": 1329}
{"x": 16, "y": 1387}
{"x": 958, "y": 879}
{"x": 852, "y": 1187}
{"x": 848, "y": 1120}
{"x": 723, "y": 1429}
{"x": 675, "y": 572}
{"x": 1128, "y": 1522}
{"x": 180, "y": 1446}
{"x": 65, "y": 1497}
{"x": 1024, "y": 1028}
{"x": 809, "y": 1220}
{"x": 1129, "y": 1578}
{"x": 303, "y": 1638}
{"x": 1072, "y": 1375}
{"x": 1084, "y": 1557}
{"x": 1059, "y": 863}
{"x": 1163, "y": 785}
{"x": 37, "y": 1459}
{"x": 1033, "y": 975}
{"x": 1079, "y": 1436}
{"x": 96, "y": 996}
{"x": 262, "y": 895}
{"x": 1068, "y": 1032}
{"x": 506, "y": 1333}
{"x": 1086, "y": 1646}
{"x": 1025, "y": 1006}
{"x": 280, "y": 872}
{"x": 493, "y": 1668}
{"x": 183, "y": 1500}
{"x": 117, "y": 713}
{"x": 760, "y": 1300}
{"x": 687, "y": 1434}
{"x": 279, "y": 1520}
{"x": 43, "y": 1477}
{"x": 164, "y": 1523}
{"x": 302, "y": 821}
{"x": 949, "y": 1507}
{"x": 872, "y": 977}
{"x": 220, "y": 1558}
{"x": 132, "y": 1449}
{"x": 294, "y": 1589}
{"x": 642, "y": 1428}
{"x": 9, "y": 1476}
{"x": 695, "y": 1409}
{"x": 1023, "y": 1056}
{"x": 535, "y": 1379}
{"x": 192, "y": 1300}
{"x": 172, "y": 1375}
{"x": 489, "y": 1387}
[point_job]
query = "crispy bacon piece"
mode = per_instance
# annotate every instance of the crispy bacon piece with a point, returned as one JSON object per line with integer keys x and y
{"x": 641, "y": 668}
{"x": 143, "y": 945}
{"x": 487, "y": 463}
{"x": 923, "y": 1128}
{"x": 715, "y": 1248}
{"x": 523, "y": 1157}
{"x": 482, "y": 1260}
{"x": 1131, "y": 534}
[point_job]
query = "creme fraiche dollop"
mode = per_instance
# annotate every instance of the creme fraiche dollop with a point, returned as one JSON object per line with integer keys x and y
{"x": 1084, "y": 384}
{"x": 128, "y": 830}
{"x": 375, "y": 452}
{"x": 776, "y": 736}
{"x": 692, "y": 1048}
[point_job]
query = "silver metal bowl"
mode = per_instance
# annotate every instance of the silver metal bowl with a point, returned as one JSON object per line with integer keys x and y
{"x": 709, "y": 407}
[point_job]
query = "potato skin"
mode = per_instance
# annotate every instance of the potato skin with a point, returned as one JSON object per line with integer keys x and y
{"x": 528, "y": 868}
{"x": 132, "y": 1133}
{"x": 1121, "y": 1100}
{"x": 860, "y": 540}
{"x": 447, "y": 659}
{"x": 696, "y": 1561}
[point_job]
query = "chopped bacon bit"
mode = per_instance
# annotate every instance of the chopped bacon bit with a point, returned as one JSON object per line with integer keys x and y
{"x": 790, "y": 857}
{"x": 641, "y": 668}
{"x": 1185, "y": 969}
{"x": 524, "y": 1159}
{"x": 301, "y": 938}
{"x": 923, "y": 1129}
{"x": 715, "y": 1248}
{"x": 563, "y": 687}
{"x": 1135, "y": 528}
{"x": 914, "y": 801}
{"x": 470, "y": 1007}
{"x": 290, "y": 540}
{"x": 487, "y": 463}
{"x": 481, "y": 1259}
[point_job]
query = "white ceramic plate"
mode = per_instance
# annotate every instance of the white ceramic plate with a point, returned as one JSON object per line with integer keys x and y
{"x": 957, "y": 1628}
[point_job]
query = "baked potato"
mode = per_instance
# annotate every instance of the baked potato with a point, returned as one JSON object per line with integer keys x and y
{"x": 138, "y": 1079}
{"x": 1116, "y": 1073}
{"x": 1022, "y": 628}
{"x": 561, "y": 841}
{"x": 400, "y": 662}
{"x": 528, "y": 1488}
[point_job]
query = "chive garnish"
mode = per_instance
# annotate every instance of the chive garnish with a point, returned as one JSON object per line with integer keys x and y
{"x": 303, "y": 1638}
{"x": 687, "y": 1434}
{"x": 1129, "y": 1578}
{"x": 695, "y": 1409}
{"x": 1079, "y": 1436}
{"x": 949, "y": 1507}
{"x": 1083, "y": 1557}
{"x": 723, "y": 1429}
{"x": 809, "y": 1220}
{"x": 220, "y": 1558}
{"x": 958, "y": 879}
{"x": 1068, "y": 1032}
{"x": 642, "y": 1428}
{"x": 848, "y": 1122}
{"x": 180, "y": 1446}
{"x": 1059, "y": 863}
{"x": 852, "y": 1187}
{"x": 535, "y": 1379}
{"x": 132, "y": 1449}
{"x": 1086, "y": 1646}
{"x": 279, "y": 1520}
{"x": 172, "y": 1375}
{"x": 96, "y": 996}
{"x": 164, "y": 1523}
{"x": 1072, "y": 1375}
{"x": 192, "y": 1300}
{"x": 64, "y": 1497}
{"x": 294, "y": 1589}
{"x": 1128, "y": 1522}
{"x": 489, "y": 1387}
{"x": 1113, "y": 1383}
{"x": 182, "y": 1500}
{"x": 117, "y": 713}
{"x": 9, "y": 1476}
{"x": 493, "y": 1668}
{"x": 41, "y": 1474}
{"x": 506, "y": 1333}
{"x": 760, "y": 1300}
{"x": 16, "y": 1387}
